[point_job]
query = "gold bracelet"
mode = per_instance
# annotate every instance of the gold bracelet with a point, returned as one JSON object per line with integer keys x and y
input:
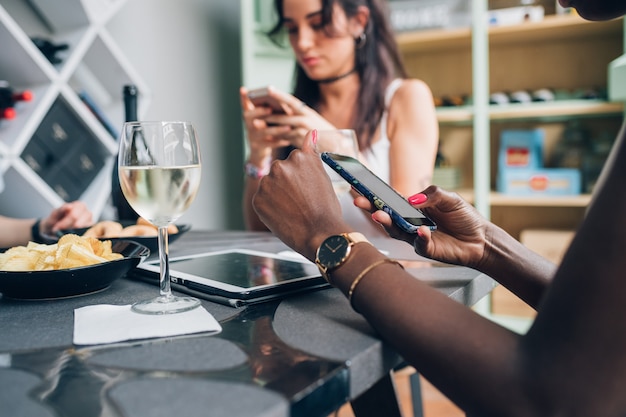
{"x": 365, "y": 272}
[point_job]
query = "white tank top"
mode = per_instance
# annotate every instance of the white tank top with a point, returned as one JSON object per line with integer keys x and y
{"x": 376, "y": 158}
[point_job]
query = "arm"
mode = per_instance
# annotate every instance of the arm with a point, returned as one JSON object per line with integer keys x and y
{"x": 571, "y": 362}
{"x": 525, "y": 273}
{"x": 464, "y": 237}
{"x": 413, "y": 132}
{"x": 15, "y": 231}
{"x": 68, "y": 216}
{"x": 582, "y": 314}
{"x": 299, "y": 206}
{"x": 266, "y": 132}
{"x": 260, "y": 145}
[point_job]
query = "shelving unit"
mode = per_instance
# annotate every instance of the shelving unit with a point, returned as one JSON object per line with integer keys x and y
{"x": 80, "y": 163}
{"x": 527, "y": 56}
{"x": 438, "y": 49}
{"x": 550, "y": 28}
{"x": 442, "y": 58}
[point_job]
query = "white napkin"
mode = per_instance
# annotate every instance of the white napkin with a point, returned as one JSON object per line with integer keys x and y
{"x": 98, "y": 324}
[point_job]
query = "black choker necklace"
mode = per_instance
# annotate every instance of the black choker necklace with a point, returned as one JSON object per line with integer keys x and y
{"x": 337, "y": 78}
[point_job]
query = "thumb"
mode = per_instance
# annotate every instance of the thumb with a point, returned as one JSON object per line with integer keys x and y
{"x": 246, "y": 103}
{"x": 422, "y": 243}
{"x": 309, "y": 141}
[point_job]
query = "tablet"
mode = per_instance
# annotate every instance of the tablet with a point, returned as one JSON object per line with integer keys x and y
{"x": 238, "y": 277}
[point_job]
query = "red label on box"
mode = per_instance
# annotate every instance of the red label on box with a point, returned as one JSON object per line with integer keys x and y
{"x": 517, "y": 157}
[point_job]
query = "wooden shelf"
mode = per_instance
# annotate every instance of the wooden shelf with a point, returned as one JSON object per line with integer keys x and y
{"x": 504, "y": 200}
{"x": 555, "y": 109}
{"x": 437, "y": 39}
{"x": 453, "y": 115}
{"x": 547, "y": 111}
{"x": 552, "y": 27}
{"x": 498, "y": 199}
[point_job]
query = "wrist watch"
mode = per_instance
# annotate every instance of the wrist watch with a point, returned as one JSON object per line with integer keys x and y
{"x": 335, "y": 250}
{"x": 35, "y": 233}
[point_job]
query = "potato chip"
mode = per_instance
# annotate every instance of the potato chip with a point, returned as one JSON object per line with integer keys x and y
{"x": 71, "y": 251}
{"x": 73, "y": 239}
{"x": 17, "y": 263}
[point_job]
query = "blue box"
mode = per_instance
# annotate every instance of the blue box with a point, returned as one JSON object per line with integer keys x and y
{"x": 521, "y": 149}
{"x": 543, "y": 181}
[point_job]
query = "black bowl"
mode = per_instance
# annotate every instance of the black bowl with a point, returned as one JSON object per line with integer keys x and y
{"x": 38, "y": 285}
{"x": 150, "y": 242}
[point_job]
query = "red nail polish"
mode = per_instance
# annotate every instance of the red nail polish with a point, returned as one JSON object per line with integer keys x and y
{"x": 420, "y": 233}
{"x": 314, "y": 136}
{"x": 418, "y": 198}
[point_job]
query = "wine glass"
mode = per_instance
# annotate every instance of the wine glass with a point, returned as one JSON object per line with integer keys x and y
{"x": 342, "y": 142}
{"x": 159, "y": 171}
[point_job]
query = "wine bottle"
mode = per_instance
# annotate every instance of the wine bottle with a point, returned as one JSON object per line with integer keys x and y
{"x": 7, "y": 113}
{"x": 130, "y": 103}
{"x": 49, "y": 49}
{"x": 124, "y": 211}
{"x": 9, "y": 98}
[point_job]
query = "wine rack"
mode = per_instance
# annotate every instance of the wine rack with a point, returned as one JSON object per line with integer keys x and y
{"x": 61, "y": 145}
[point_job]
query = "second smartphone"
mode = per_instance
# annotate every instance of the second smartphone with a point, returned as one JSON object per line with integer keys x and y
{"x": 378, "y": 192}
{"x": 261, "y": 97}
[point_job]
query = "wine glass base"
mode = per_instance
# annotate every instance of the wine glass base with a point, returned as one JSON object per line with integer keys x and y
{"x": 166, "y": 305}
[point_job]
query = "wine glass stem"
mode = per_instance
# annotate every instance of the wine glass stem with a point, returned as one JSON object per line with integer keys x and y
{"x": 164, "y": 261}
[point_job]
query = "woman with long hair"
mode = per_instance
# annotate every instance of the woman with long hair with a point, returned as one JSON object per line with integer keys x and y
{"x": 348, "y": 75}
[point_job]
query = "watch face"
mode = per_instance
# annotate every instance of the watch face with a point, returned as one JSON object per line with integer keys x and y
{"x": 333, "y": 251}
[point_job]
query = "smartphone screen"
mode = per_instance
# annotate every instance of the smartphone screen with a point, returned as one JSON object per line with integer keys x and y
{"x": 381, "y": 194}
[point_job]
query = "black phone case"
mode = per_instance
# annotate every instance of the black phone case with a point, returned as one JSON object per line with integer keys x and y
{"x": 373, "y": 198}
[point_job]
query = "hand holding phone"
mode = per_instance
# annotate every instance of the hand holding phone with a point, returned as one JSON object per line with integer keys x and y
{"x": 261, "y": 97}
{"x": 378, "y": 192}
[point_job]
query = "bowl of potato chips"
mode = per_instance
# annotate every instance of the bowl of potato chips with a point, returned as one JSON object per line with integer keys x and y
{"x": 73, "y": 266}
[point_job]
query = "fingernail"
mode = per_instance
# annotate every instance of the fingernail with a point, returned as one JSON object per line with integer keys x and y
{"x": 420, "y": 233}
{"x": 418, "y": 198}
{"x": 314, "y": 136}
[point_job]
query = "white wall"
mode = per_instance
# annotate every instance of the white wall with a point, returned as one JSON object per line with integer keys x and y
{"x": 187, "y": 52}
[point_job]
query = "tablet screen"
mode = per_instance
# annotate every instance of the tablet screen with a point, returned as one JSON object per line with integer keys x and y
{"x": 244, "y": 269}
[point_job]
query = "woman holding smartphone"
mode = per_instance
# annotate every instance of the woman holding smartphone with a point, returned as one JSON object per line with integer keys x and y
{"x": 349, "y": 75}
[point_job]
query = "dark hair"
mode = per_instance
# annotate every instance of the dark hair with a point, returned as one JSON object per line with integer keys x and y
{"x": 377, "y": 62}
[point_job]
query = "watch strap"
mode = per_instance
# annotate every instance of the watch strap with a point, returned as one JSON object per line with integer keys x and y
{"x": 355, "y": 237}
{"x": 36, "y": 233}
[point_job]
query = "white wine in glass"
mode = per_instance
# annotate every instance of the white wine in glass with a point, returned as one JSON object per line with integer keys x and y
{"x": 159, "y": 169}
{"x": 342, "y": 142}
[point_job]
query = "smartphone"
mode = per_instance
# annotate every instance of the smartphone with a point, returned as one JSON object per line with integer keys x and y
{"x": 261, "y": 97}
{"x": 378, "y": 192}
